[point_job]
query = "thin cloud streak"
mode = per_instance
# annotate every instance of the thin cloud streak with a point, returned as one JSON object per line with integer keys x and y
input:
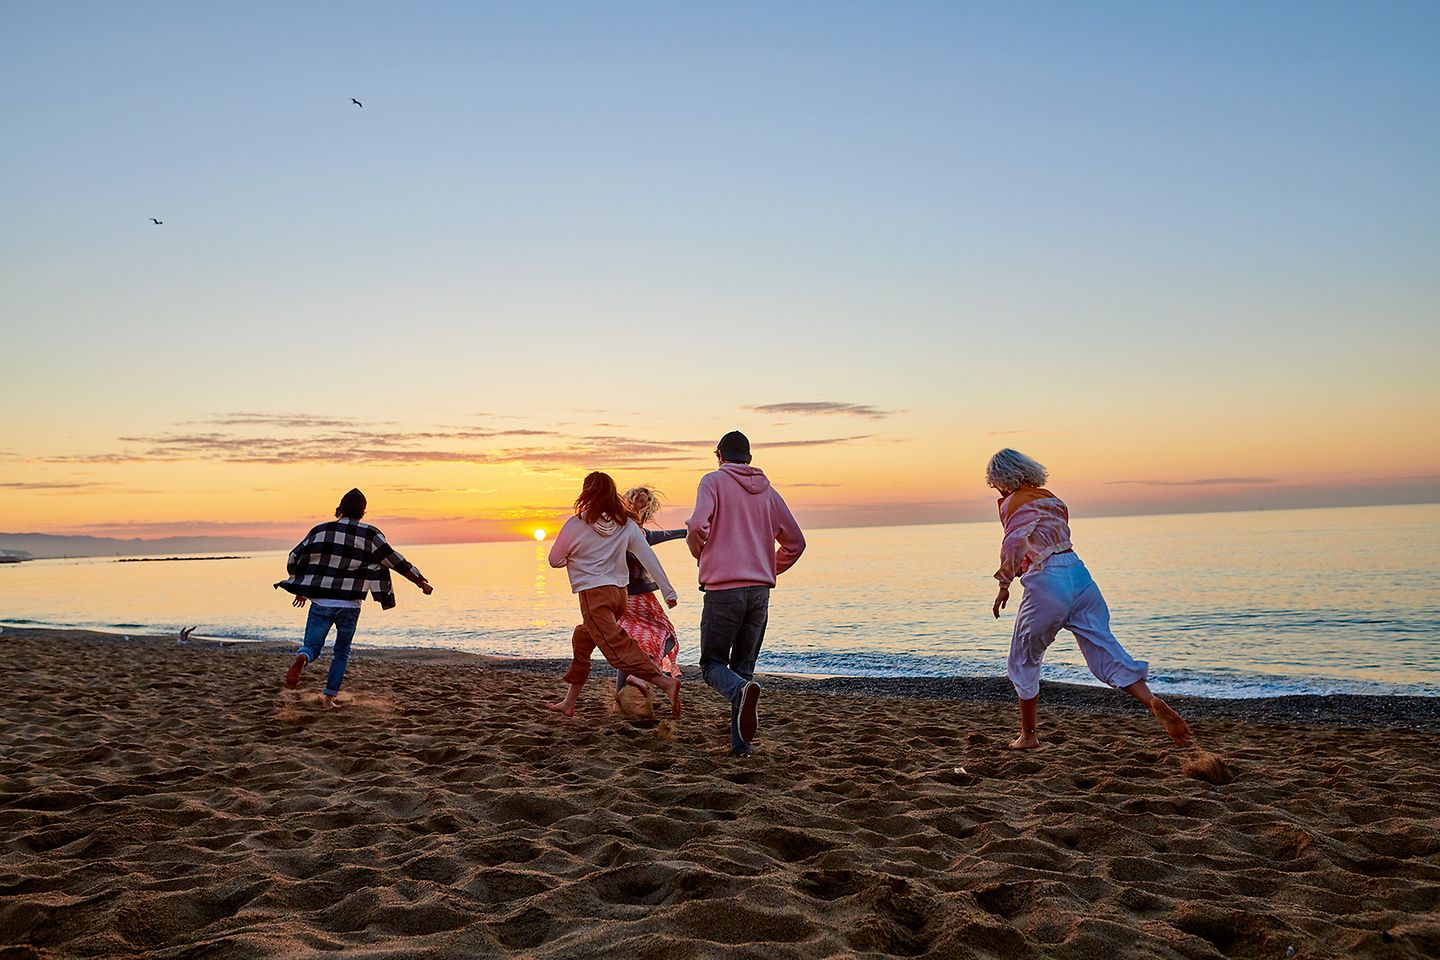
{"x": 45, "y": 485}
{"x": 1025, "y": 433}
{"x": 823, "y": 442}
{"x": 822, "y": 408}
{"x": 1205, "y": 482}
{"x": 472, "y": 491}
{"x": 296, "y": 421}
{"x": 363, "y": 446}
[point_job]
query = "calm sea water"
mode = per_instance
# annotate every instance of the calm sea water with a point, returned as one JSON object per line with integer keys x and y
{"x": 1238, "y": 604}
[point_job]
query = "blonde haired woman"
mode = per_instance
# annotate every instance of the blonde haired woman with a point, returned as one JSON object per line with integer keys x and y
{"x": 1059, "y": 595}
{"x": 645, "y": 619}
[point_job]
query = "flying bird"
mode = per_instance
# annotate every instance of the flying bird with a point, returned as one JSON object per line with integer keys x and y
{"x": 156, "y": 222}
{"x": 356, "y": 102}
{"x": 184, "y": 636}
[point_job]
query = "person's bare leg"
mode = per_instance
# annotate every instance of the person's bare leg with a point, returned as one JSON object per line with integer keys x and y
{"x": 637, "y": 683}
{"x": 1175, "y": 726}
{"x": 1028, "y": 740}
{"x": 567, "y": 704}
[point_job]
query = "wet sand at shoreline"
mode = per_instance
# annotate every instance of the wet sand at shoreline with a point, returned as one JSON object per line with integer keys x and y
{"x": 172, "y": 801}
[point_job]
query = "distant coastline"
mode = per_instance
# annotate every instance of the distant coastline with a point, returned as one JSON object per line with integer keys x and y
{"x": 45, "y": 546}
{"x": 172, "y": 559}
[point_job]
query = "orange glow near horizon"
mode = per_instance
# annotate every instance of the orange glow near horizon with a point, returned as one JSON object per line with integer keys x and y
{"x": 910, "y": 468}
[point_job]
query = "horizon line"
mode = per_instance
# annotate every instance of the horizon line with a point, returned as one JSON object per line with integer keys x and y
{"x": 1103, "y": 515}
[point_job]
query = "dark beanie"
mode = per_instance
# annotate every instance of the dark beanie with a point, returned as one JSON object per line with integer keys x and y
{"x": 351, "y": 505}
{"x": 734, "y": 447}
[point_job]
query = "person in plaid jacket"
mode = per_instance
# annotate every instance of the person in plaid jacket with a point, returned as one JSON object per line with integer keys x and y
{"x": 334, "y": 567}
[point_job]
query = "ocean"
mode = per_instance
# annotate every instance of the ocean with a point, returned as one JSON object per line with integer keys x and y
{"x": 1247, "y": 604}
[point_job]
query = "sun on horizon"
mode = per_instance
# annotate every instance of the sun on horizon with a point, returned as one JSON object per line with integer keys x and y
{"x": 539, "y": 533}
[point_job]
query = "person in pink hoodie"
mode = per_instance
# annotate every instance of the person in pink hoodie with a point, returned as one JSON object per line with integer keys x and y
{"x": 739, "y": 519}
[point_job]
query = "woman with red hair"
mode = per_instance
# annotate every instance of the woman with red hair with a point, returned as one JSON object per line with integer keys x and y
{"x": 592, "y": 547}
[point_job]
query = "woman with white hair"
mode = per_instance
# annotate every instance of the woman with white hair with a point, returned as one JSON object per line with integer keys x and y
{"x": 1059, "y": 595}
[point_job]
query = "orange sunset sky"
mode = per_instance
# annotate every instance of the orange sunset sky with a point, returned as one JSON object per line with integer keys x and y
{"x": 1189, "y": 262}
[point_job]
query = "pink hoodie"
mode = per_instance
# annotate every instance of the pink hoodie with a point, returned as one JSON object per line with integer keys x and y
{"x": 738, "y": 520}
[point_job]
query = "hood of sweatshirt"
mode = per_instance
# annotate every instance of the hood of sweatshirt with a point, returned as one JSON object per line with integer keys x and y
{"x": 605, "y": 526}
{"x": 752, "y": 479}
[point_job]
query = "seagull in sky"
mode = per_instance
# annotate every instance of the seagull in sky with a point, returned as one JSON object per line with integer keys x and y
{"x": 356, "y": 102}
{"x": 156, "y": 222}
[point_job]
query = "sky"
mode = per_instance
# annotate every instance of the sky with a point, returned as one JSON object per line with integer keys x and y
{"x": 1188, "y": 256}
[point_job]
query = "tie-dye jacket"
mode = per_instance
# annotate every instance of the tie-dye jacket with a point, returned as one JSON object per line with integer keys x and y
{"x": 1037, "y": 526}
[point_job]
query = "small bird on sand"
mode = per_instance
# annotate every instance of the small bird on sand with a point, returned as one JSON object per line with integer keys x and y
{"x": 184, "y": 636}
{"x": 156, "y": 222}
{"x": 356, "y": 102}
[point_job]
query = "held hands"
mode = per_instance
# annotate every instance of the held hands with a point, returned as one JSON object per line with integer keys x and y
{"x": 1000, "y": 599}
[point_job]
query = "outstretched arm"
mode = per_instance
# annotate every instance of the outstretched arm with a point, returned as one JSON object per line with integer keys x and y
{"x": 387, "y": 556}
{"x": 654, "y": 537}
{"x": 646, "y": 555}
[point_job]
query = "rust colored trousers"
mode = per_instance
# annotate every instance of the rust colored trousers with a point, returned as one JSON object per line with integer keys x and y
{"x": 600, "y": 612}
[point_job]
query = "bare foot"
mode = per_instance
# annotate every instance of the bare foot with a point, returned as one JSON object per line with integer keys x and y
{"x": 637, "y": 683}
{"x": 564, "y": 706}
{"x": 1026, "y": 741}
{"x": 330, "y": 703}
{"x": 292, "y": 676}
{"x": 1174, "y": 724}
{"x": 672, "y": 690}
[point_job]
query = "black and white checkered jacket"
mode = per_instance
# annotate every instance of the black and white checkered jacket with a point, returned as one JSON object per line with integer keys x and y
{"x": 344, "y": 560}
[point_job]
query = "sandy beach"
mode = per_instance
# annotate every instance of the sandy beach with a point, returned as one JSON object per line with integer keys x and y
{"x": 172, "y": 801}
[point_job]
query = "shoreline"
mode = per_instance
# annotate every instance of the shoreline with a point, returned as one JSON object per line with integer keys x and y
{"x": 1358, "y": 711}
{"x": 1179, "y": 683}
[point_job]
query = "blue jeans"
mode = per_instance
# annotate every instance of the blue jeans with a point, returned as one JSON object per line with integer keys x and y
{"x": 317, "y": 627}
{"x": 732, "y": 627}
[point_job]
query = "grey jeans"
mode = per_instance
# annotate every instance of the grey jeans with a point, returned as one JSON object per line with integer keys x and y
{"x": 732, "y": 627}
